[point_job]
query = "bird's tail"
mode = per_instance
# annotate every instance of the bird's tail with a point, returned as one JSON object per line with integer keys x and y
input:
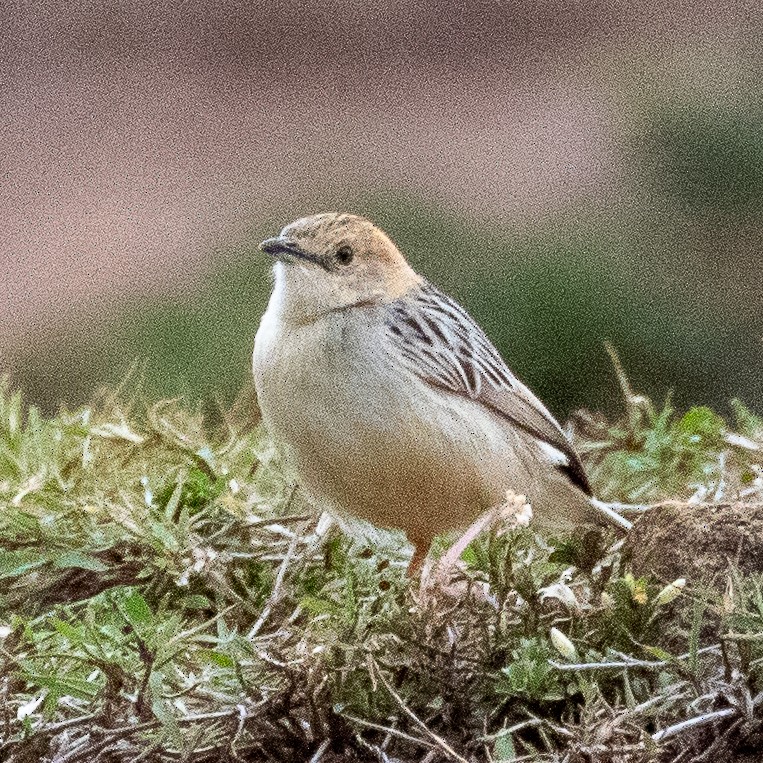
{"x": 608, "y": 513}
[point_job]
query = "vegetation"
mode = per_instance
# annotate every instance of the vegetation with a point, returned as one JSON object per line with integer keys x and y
{"x": 167, "y": 596}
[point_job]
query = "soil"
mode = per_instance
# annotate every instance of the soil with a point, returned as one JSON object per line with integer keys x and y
{"x": 697, "y": 542}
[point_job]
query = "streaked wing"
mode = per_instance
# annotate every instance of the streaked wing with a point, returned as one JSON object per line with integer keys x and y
{"x": 441, "y": 343}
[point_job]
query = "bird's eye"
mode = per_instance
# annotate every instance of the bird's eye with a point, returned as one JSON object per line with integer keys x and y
{"x": 344, "y": 255}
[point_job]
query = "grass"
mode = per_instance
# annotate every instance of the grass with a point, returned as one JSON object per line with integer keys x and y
{"x": 168, "y": 596}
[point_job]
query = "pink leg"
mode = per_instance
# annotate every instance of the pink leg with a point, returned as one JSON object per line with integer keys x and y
{"x": 451, "y": 557}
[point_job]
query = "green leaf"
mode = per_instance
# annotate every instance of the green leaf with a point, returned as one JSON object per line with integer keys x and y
{"x": 469, "y": 556}
{"x": 529, "y": 673}
{"x": 748, "y": 423}
{"x": 702, "y": 423}
{"x": 68, "y": 631}
{"x": 50, "y": 703}
{"x": 15, "y": 563}
{"x": 164, "y": 536}
{"x": 173, "y": 501}
{"x": 136, "y": 609}
{"x": 195, "y": 601}
{"x": 660, "y": 654}
{"x": 217, "y": 658}
{"x": 316, "y": 606}
{"x": 64, "y": 684}
{"x": 162, "y": 708}
{"x": 503, "y": 749}
{"x": 79, "y": 560}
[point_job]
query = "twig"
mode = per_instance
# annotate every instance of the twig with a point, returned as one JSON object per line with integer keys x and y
{"x": 132, "y": 729}
{"x": 610, "y": 511}
{"x": 380, "y": 755}
{"x": 148, "y": 752}
{"x": 83, "y": 747}
{"x": 437, "y": 739}
{"x": 704, "y": 650}
{"x": 604, "y": 665}
{"x": 511, "y": 729}
{"x": 676, "y": 692}
{"x": 54, "y": 728}
{"x": 388, "y": 730}
{"x": 319, "y": 752}
{"x": 186, "y": 634}
{"x": 212, "y": 716}
{"x": 242, "y": 716}
{"x": 634, "y": 402}
{"x": 598, "y": 749}
{"x": 632, "y": 508}
{"x": 276, "y": 592}
{"x": 700, "y": 720}
{"x": 628, "y": 662}
{"x": 278, "y": 520}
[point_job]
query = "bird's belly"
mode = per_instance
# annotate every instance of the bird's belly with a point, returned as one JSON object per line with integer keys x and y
{"x": 413, "y": 477}
{"x": 367, "y": 440}
{"x": 392, "y": 451}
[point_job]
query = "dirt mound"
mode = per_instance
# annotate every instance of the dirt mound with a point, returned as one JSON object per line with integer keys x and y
{"x": 697, "y": 541}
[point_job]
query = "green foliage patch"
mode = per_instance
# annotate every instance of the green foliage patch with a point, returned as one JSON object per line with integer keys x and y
{"x": 167, "y": 595}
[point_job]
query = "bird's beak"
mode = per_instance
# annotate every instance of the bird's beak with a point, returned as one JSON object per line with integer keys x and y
{"x": 285, "y": 249}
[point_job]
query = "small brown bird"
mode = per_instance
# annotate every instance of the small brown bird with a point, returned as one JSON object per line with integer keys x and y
{"x": 389, "y": 400}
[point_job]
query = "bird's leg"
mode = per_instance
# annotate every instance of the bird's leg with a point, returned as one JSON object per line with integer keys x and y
{"x": 515, "y": 511}
{"x": 420, "y": 549}
{"x": 453, "y": 554}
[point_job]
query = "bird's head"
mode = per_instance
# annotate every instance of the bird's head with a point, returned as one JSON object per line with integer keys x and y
{"x": 332, "y": 261}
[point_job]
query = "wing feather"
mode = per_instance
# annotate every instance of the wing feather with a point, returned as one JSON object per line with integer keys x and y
{"x": 443, "y": 345}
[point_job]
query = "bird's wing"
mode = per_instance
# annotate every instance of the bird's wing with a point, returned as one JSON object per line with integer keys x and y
{"x": 441, "y": 343}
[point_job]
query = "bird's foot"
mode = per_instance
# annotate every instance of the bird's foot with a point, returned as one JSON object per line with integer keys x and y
{"x": 514, "y": 512}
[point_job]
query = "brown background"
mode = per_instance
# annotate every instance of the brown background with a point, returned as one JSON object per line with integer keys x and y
{"x": 146, "y": 147}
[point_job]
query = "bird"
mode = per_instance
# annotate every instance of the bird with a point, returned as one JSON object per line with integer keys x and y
{"x": 388, "y": 400}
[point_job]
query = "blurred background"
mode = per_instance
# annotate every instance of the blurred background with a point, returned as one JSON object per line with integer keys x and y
{"x": 570, "y": 171}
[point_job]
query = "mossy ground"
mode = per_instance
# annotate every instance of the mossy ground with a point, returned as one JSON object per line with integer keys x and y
{"x": 167, "y": 596}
